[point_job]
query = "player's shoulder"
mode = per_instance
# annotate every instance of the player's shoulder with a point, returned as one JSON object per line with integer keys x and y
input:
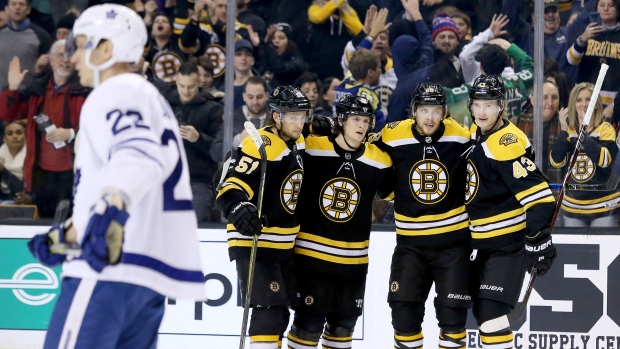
{"x": 507, "y": 143}
{"x": 375, "y": 156}
{"x": 127, "y": 87}
{"x": 319, "y": 145}
{"x": 275, "y": 147}
{"x": 455, "y": 131}
{"x": 397, "y": 130}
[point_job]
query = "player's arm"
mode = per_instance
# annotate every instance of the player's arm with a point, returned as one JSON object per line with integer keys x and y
{"x": 238, "y": 191}
{"x": 388, "y": 184}
{"x": 532, "y": 191}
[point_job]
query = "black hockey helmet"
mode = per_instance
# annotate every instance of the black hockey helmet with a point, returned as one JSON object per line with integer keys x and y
{"x": 355, "y": 105}
{"x": 427, "y": 93}
{"x": 288, "y": 98}
{"x": 489, "y": 87}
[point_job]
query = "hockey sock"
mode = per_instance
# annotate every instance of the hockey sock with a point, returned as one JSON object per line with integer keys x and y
{"x": 497, "y": 340}
{"x": 331, "y": 342}
{"x": 295, "y": 342}
{"x": 454, "y": 340}
{"x": 408, "y": 340}
{"x": 264, "y": 342}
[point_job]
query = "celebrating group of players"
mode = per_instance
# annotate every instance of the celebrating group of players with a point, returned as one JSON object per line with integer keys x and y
{"x": 472, "y": 211}
{"x": 472, "y": 214}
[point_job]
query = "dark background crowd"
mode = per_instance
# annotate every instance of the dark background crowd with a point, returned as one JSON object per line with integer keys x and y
{"x": 378, "y": 48}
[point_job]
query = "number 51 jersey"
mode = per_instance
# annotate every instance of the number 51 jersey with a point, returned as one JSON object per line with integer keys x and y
{"x": 129, "y": 140}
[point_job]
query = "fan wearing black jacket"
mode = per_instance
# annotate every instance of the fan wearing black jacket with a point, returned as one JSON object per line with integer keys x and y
{"x": 200, "y": 117}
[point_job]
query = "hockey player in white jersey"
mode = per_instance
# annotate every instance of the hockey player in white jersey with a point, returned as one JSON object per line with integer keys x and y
{"x": 132, "y": 214}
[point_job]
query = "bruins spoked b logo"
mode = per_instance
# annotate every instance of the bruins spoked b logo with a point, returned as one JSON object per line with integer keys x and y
{"x": 429, "y": 181}
{"x": 339, "y": 199}
{"x": 289, "y": 193}
{"x": 217, "y": 54}
{"x": 584, "y": 168}
{"x": 165, "y": 65}
{"x": 471, "y": 181}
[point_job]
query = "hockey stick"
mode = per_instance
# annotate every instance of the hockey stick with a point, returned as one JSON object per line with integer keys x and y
{"x": 66, "y": 248}
{"x": 519, "y": 310}
{"x": 249, "y": 127}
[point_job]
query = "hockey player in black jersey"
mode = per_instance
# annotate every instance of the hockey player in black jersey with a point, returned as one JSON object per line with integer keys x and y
{"x": 342, "y": 175}
{"x": 274, "y": 288}
{"x": 510, "y": 205}
{"x": 428, "y": 151}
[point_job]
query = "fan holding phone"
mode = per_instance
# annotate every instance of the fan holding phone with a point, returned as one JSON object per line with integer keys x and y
{"x": 596, "y": 45}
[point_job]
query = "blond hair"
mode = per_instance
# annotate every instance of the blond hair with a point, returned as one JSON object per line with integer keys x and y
{"x": 597, "y": 115}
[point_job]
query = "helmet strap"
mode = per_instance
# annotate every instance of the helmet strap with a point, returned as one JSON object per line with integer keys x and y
{"x": 97, "y": 68}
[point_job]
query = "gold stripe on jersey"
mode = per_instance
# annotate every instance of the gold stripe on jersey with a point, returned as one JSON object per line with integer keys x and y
{"x": 448, "y": 222}
{"x": 375, "y": 157}
{"x": 271, "y": 237}
{"x": 537, "y": 194}
{"x": 585, "y": 207}
{"x": 275, "y": 147}
{"x": 501, "y": 224}
{"x": 605, "y": 158}
{"x": 334, "y": 251}
{"x": 236, "y": 183}
{"x": 557, "y": 164}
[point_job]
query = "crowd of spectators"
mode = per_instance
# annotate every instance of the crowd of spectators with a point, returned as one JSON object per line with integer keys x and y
{"x": 380, "y": 49}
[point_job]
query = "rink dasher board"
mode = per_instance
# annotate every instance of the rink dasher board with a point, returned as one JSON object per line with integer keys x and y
{"x": 575, "y": 306}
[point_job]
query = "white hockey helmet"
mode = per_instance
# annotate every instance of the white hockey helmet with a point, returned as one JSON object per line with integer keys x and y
{"x": 118, "y": 24}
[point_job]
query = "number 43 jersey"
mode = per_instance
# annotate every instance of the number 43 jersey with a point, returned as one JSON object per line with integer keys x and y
{"x": 335, "y": 206}
{"x": 129, "y": 140}
{"x": 506, "y": 195}
{"x": 285, "y": 171}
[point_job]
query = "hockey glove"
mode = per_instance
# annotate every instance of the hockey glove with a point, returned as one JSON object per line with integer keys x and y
{"x": 540, "y": 252}
{"x": 322, "y": 125}
{"x": 40, "y": 245}
{"x": 244, "y": 216}
{"x": 103, "y": 239}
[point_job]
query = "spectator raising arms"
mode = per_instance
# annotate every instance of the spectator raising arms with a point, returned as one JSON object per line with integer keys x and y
{"x": 283, "y": 61}
{"x": 52, "y": 105}
{"x": 597, "y": 45}
{"x": 333, "y": 24}
{"x": 26, "y": 40}
{"x": 584, "y": 208}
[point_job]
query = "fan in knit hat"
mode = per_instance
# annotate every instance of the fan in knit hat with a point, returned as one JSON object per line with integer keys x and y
{"x": 444, "y": 22}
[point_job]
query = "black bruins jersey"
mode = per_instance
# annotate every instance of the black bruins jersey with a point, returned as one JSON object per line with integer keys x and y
{"x": 335, "y": 205}
{"x": 594, "y": 165}
{"x": 506, "y": 195}
{"x": 280, "y": 195}
{"x": 429, "y": 206}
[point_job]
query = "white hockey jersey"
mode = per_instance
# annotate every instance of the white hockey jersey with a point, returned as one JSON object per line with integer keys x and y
{"x": 130, "y": 141}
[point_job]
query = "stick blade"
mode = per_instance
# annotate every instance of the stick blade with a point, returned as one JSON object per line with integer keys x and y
{"x": 517, "y": 313}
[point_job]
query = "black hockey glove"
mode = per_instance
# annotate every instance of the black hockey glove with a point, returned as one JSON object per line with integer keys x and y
{"x": 322, "y": 125}
{"x": 244, "y": 216}
{"x": 540, "y": 252}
